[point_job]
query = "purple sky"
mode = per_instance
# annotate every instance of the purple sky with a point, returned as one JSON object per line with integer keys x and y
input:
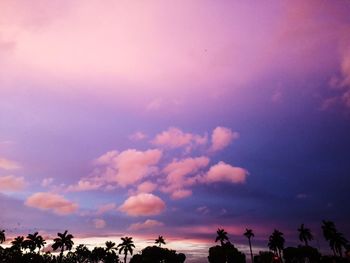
{"x": 155, "y": 117}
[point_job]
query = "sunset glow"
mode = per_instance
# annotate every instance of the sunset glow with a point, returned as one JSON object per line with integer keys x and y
{"x": 174, "y": 118}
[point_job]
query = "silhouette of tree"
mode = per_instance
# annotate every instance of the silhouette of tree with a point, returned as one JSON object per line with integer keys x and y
{"x": 336, "y": 239}
{"x": 160, "y": 240}
{"x": 82, "y": 254}
{"x": 276, "y": 243}
{"x": 2, "y": 236}
{"x": 63, "y": 241}
{"x": 249, "y": 234}
{"x": 111, "y": 255}
{"x": 98, "y": 254}
{"x": 126, "y": 246}
{"x": 225, "y": 254}
{"x": 221, "y": 236}
{"x": 305, "y": 234}
{"x": 33, "y": 242}
{"x": 156, "y": 254}
{"x": 17, "y": 243}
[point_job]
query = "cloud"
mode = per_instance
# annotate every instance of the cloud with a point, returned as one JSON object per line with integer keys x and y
{"x": 176, "y": 138}
{"x": 203, "y": 210}
{"x": 222, "y": 137}
{"x": 122, "y": 169}
{"x": 301, "y": 196}
{"x": 128, "y": 167}
{"x": 85, "y": 184}
{"x": 149, "y": 223}
{"x": 99, "y": 223}
{"x": 143, "y": 204}
{"x": 137, "y": 136}
{"x": 222, "y": 172}
{"x": 11, "y": 183}
{"x": 8, "y": 164}
{"x": 180, "y": 193}
{"x": 106, "y": 208}
{"x": 47, "y": 182}
{"x": 155, "y": 104}
{"x": 146, "y": 187}
{"x": 51, "y": 202}
{"x": 182, "y": 173}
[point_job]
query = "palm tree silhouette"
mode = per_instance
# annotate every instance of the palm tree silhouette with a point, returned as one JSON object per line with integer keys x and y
{"x": 17, "y": 243}
{"x": 221, "y": 236}
{"x": 33, "y": 242}
{"x": 110, "y": 246}
{"x": 160, "y": 240}
{"x": 249, "y": 234}
{"x": 276, "y": 243}
{"x": 126, "y": 246}
{"x": 305, "y": 234}
{"x": 2, "y": 236}
{"x": 63, "y": 241}
{"x": 336, "y": 239}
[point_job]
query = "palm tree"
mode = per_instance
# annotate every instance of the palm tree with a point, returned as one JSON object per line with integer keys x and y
{"x": 34, "y": 241}
{"x": 17, "y": 243}
{"x": 2, "y": 236}
{"x": 305, "y": 234}
{"x": 126, "y": 246}
{"x": 336, "y": 239}
{"x": 63, "y": 241}
{"x": 276, "y": 243}
{"x": 249, "y": 234}
{"x": 221, "y": 236}
{"x": 160, "y": 240}
{"x": 110, "y": 246}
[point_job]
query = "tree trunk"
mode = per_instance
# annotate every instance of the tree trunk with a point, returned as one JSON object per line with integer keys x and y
{"x": 251, "y": 252}
{"x": 61, "y": 254}
{"x": 126, "y": 254}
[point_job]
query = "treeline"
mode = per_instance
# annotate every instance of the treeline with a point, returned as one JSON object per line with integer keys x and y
{"x": 31, "y": 249}
{"x": 278, "y": 253}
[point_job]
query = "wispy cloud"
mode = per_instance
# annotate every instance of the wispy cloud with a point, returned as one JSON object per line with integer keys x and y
{"x": 11, "y": 183}
{"x": 148, "y": 224}
{"x": 7, "y": 164}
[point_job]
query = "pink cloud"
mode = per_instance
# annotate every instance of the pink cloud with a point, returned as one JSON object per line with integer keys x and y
{"x": 222, "y": 137}
{"x": 11, "y": 183}
{"x": 223, "y": 172}
{"x": 99, "y": 223}
{"x": 129, "y": 167}
{"x": 51, "y": 202}
{"x": 176, "y": 138}
{"x": 177, "y": 170}
{"x": 180, "y": 193}
{"x": 119, "y": 169}
{"x": 47, "y": 182}
{"x": 149, "y": 223}
{"x": 9, "y": 164}
{"x": 85, "y": 184}
{"x": 106, "y": 208}
{"x": 137, "y": 136}
{"x": 143, "y": 204}
{"x": 181, "y": 174}
{"x": 146, "y": 187}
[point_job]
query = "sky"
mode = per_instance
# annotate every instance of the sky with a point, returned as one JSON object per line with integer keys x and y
{"x": 149, "y": 118}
